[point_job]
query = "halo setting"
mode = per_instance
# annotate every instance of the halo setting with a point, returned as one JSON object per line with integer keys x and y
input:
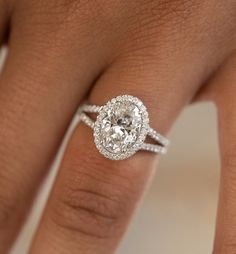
{"x": 121, "y": 128}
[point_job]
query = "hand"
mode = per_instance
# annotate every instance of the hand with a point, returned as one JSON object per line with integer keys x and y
{"x": 167, "y": 53}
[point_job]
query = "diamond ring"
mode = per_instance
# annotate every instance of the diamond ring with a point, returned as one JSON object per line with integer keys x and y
{"x": 121, "y": 127}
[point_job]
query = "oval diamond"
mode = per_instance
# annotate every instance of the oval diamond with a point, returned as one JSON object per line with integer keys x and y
{"x": 119, "y": 127}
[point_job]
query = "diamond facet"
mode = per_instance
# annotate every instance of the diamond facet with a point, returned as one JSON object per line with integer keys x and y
{"x": 121, "y": 127}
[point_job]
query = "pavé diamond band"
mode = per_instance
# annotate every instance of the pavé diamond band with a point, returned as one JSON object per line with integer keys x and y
{"x": 121, "y": 128}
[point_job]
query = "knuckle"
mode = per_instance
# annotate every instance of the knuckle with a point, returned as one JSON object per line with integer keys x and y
{"x": 169, "y": 11}
{"x": 55, "y": 19}
{"x": 88, "y": 212}
{"x": 93, "y": 201}
{"x": 155, "y": 25}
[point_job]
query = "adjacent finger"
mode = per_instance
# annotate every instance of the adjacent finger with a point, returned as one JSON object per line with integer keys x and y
{"x": 44, "y": 78}
{"x": 223, "y": 91}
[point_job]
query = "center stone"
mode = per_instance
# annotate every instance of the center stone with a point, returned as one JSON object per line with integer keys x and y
{"x": 120, "y": 127}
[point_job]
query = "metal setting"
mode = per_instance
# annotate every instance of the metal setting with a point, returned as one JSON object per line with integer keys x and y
{"x": 121, "y": 128}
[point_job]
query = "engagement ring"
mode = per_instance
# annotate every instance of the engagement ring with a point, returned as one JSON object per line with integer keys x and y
{"x": 121, "y": 127}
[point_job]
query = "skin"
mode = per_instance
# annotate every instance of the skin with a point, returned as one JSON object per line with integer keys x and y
{"x": 167, "y": 53}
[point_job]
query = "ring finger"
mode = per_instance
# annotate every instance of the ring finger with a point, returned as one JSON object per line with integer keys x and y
{"x": 94, "y": 198}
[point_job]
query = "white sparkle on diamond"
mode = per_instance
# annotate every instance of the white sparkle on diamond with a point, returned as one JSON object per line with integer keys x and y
{"x": 120, "y": 127}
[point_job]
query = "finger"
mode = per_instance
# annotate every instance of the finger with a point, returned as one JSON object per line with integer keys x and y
{"x": 40, "y": 88}
{"x": 94, "y": 198}
{"x": 223, "y": 90}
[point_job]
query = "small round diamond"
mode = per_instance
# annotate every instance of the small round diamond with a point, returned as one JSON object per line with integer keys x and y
{"x": 121, "y": 127}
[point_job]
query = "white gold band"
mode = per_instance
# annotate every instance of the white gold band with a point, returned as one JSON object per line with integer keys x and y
{"x": 130, "y": 108}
